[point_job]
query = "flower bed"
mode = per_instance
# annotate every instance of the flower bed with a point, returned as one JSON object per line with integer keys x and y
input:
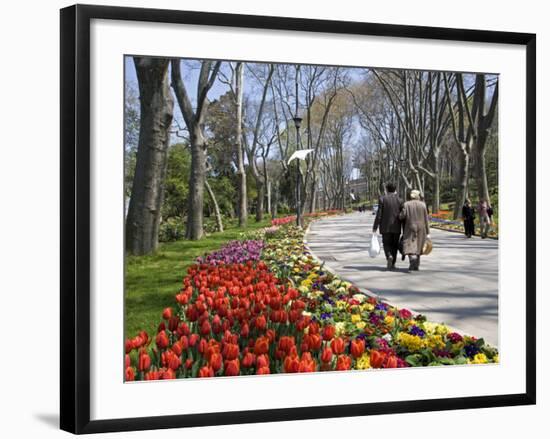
{"x": 454, "y": 225}
{"x": 279, "y": 311}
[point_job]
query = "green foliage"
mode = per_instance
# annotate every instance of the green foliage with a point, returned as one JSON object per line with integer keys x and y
{"x": 224, "y": 189}
{"x": 172, "y": 229}
{"x": 176, "y": 186}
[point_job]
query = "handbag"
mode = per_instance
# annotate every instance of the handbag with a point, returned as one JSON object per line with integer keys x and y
{"x": 427, "y": 247}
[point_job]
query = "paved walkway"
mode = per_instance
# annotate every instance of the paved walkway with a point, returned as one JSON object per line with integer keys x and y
{"x": 457, "y": 283}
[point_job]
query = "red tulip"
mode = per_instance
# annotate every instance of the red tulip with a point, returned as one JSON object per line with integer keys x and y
{"x": 130, "y": 374}
{"x": 215, "y": 361}
{"x": 152, "y": 375}
{"x": 177, "y": 348}
{"x": 128, "y": 346}
{"x": 193, "y": 339}
{"x": 314, "y": 341}
{"x": 338, "y": 346}
{"x": 261, "y": 346}
{"x": 248, "y": 360}
{"x": 343, "y": 362}
{"x": 168, "y": 374}
{"x": 262, "y": 361}
{"x": 205, "y": 328}
{"x": 230, "y": 351}
{"x": 206, "y": 372}
{"x": 328, "y": 332}
{"x": 127, "y": 360}
{"x": 203, "y": 346}
{"x": 307, "y": 363}
{"x": 183, "y": 329}
{"x": 232, "y": 367}
{"x": 285, "y": 343}
{"x": 271, "y": 335}
{"x": 377, "y": 358}
{"x": 263, "y": 370}
{"x": 173, "y": 323}
{"x": 326, "y": 356}
{"x": 188, "y": 363}
{"x": 261, "y": 322}
{"x": 391, "y": 362}
{"x": 144, "y": 338}
{"x": 171, "y": 360}
{"x": 216, "y": 324}
{"x": 245, "y": 330}
{"x": 357, "y": 348}
{"x": 167, "y": 313}
{"x": 291, "y": 364}
{"x": 144, "y": 361}
{"x": 313, "y": 328}
{"x": 162, "y": 340}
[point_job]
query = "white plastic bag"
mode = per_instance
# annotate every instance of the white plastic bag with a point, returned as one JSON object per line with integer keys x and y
{"x": 374, "y": 249}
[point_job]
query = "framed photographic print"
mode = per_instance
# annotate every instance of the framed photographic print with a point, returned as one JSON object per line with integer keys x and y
{"x": 272, "y": 218}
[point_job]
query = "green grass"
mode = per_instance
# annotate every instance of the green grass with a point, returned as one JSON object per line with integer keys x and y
{"x": 151, "y": 282}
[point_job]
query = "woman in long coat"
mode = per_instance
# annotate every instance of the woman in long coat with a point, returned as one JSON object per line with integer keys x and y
{"x": 416, "y": 228}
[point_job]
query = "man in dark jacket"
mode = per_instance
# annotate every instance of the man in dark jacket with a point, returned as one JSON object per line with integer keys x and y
{"x": 387, "y": 218}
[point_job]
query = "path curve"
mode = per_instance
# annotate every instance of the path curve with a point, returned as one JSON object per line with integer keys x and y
{"x": 457, "y": 283}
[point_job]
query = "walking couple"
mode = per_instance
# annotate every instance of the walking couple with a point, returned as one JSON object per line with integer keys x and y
{"x": 410, "y": 218}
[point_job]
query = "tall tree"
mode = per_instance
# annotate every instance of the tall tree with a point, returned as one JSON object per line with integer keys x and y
{"x": 256, "y": 146}
{"x": 483, "y": 119}
{"x": 194, "y": 119}
{"x": 156, "y": 113}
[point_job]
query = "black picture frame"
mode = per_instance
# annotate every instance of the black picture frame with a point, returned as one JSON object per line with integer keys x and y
{"x": 75, "y": 217}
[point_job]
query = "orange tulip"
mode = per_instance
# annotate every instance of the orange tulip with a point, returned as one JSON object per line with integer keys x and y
{"x": 377, "y": 358}
{"x": 338, "y": 346}
{"x": 326, "y": 356}
{"x": 343, "y": 362}
{"x": 162, "y": 340}
{"x": 206, "y": 372}
{"x": 232, "y": 367}
{"x": 216, "y": 361}
{"x": 357, "y": 348}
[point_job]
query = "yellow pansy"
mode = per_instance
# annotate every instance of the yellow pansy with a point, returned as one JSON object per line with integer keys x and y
{"x": 363, "y": 362}
{"x": 361, "y": 325}
{"x": 388, "y": 320}
{"x": 340, "y": 304}
{"x": 436, "y": 342}
{"x": 480, "y": 358}
{"x": 340, "y": 328}
{"x": 367, "y": 307}
{"x": 355, "y": 318}
{"x": 411, "y": 342}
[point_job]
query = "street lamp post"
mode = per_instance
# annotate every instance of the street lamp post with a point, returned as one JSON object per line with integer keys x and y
{"x": 297, "y": 123}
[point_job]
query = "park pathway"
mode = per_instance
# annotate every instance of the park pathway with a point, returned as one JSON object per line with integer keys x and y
{"x": 457, "y": 283}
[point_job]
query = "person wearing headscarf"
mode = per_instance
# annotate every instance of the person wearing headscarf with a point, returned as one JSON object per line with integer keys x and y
{"x": 414, "y": 214}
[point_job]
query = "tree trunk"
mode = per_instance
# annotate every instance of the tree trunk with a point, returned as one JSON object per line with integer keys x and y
{"x": 436, "y": 183}
{"x": 260, "y": 200}
{"x": 275, "y": 201}
{"x": 157, "y": 105}
{"x": 197, "y": 180}
{"x": 268, "y": 196}
{"x": 481, "y": 175}
{"x": 219, "y": 222}
{"x": 462, "y": 176}
{"x": 243, "y": 208}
